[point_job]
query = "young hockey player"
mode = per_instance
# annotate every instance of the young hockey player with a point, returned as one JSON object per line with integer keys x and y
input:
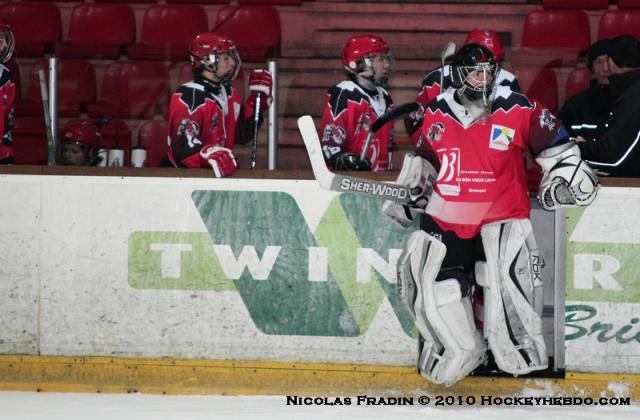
{"x": 431, "y": 84}
{"x": 206, "y": 116}
{"x": 353, "y": 106}
{"x": 79, "y": 144}
{"x": 7, "y": 94}
{"x": 468, "y": 176}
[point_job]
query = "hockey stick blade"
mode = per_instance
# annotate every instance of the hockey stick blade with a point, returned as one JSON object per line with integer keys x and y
{"x": 336, "y": 182}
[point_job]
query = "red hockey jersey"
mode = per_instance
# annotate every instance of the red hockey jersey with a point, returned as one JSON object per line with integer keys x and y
{"x": 203, "y": 114}
{"x": 7, "y": 101}
{"x": 349, "y": 113}
{"x": 482, "y": 175}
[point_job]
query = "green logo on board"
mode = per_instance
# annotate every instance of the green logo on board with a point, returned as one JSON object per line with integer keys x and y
{"x": 330, "y": 282}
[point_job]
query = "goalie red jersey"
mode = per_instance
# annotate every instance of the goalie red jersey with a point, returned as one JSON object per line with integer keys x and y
{"x": 482, "y": 172}
{"x": 349, "y": 113}
{"x": 7, "y": 100}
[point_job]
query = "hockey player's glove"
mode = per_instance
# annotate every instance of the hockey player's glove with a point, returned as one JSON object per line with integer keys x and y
{"x": 221, "y": 160}
{"x": 420, "y": 176}
{"x": 351, "y": 162}
{"x": 260, "y": 82}
{"x": 567, "y": 180}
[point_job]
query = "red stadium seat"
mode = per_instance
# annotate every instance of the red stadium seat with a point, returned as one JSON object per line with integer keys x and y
{"x": 24, "y": 18}
{"x": 29, "y": 141}
{"x": 540, "y": 84}
{"x": 270, "y": 2}
{"x": 628, "y": 4}
{"x": 76, "y": 88}
{"x": 153, "y": 136}
{"x": 575, "y": 4}
{"x": 98, "y": 31}
{"x": 553, "y": 38}
{"x": 577, "y": 81}
{"x": 167, "y": 31}
{"x": 132, "y": 89}
{"x": 619, "y": 22}
{"x": 254, "y": 29}
{"x": 125, "y": 1}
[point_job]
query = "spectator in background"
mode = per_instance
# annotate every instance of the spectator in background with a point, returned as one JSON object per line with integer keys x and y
{"x": 586, "y": 112}
{"x": 7, "y": 94}
{"x": 79, "y": 144}
{"x": 431, "y": 84}
{"x": 617, "y": 151}
{"x": 206, "y": 116}
{"x": 351, "y": 108}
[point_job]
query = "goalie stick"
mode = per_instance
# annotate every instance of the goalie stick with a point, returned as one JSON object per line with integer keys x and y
{"x": 447, "y": 52}
{"x": 341, "y": 183}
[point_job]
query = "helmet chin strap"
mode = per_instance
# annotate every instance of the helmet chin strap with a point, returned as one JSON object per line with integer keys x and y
{"x": 476, "y": 107}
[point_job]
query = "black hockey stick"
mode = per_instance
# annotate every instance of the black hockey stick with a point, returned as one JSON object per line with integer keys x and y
{"x": 335, "y": 182}
{"x": 385, "y": 118}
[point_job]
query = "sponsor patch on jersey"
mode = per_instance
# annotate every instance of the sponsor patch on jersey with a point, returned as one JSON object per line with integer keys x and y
{"x": 435, "y": 131}
{"x": 364, "y": 124}
{"x": 501, "y": 137}
{"x": 547, "y": 120}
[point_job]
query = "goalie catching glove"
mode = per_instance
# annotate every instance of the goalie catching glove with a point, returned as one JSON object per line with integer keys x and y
{"x": 567, "y": 180}
{"x": 419, "y": 176}
{"x": 221, "y": 160}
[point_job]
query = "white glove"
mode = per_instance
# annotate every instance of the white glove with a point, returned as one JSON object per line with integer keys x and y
{"x": 567, "y": 180}
{"x": 419, "y": 176}
{"x": 221, "y": 160}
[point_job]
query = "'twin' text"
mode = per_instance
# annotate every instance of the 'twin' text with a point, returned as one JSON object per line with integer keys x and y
{"x": 371, "y": 187}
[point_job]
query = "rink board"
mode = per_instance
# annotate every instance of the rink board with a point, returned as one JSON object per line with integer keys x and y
{"x": 264, "y": 270}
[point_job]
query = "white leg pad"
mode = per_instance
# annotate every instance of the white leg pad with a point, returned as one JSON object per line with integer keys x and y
{"x": 453, "y": 346}
{"x": 513, "y": 298}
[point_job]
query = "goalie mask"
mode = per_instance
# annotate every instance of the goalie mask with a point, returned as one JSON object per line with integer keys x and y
{"x": 7, "y": 42}
{"x": 488, "y": 39}
{"x": 367, "y": 58}
{"x": 211, "y": 52}
{"x": 474, "y": 71}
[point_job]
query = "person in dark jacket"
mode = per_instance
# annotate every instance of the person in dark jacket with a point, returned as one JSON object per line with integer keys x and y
{"x": 585, "y": 113}
{"x": 617, "y": 151}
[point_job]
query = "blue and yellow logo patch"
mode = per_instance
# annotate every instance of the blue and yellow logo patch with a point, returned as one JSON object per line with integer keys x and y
{"x": 501, "y": 136}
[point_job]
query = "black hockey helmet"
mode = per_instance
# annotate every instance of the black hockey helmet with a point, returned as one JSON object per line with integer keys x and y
{"x": 474, "y": 71}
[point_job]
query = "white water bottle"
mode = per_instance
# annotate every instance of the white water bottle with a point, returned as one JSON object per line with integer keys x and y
{"x": 103, "y": 156}
{"x": 139, "y": 157}
{"x": 116, "y": 157}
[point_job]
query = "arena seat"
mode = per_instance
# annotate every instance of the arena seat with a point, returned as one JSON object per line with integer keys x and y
{"x": 125, "y": 1}
{"x": 618, "y": 22}
{"x": 167, "y": 31}
{"x": 553, "y": 38}
{"x": 76, "y": 88}
{"x": 98, "y": 31}
{"x": 540, "y": 84}
{"x": 628, "y": 4}
{"x": 29, "y": 141}
{"x": 153, "y": 136}
{"x": 24, "y": 18}
{"x": 254, "y": 29}
{"x": 132, "y": 89}
{"x": 575, "y": 4}
{"x": 577, "y": 81}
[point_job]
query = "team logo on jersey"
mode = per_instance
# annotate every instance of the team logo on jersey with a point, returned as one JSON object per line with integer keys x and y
{"x": 547, "y": 120}
{"x": 190, "y": 130}
{"x": 501, "y": 137}
{"x": 334, "y": 134}
{"x": 364, "y": 123}
{"x": 435, "y": 131}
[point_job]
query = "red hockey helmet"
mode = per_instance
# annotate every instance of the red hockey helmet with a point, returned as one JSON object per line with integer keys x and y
{"x": 488, "y": 39}
{"x": 81, "y": 132}
{"x": 205, "y": 51}
{"x": 7, "y": 42}
{"x": 360, "y": 47}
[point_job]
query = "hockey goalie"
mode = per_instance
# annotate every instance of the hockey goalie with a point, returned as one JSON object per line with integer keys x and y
{"x": 467, "y": 180}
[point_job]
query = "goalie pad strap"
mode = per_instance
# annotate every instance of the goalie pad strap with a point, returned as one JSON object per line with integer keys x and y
{"x": 453, "y": 347}
{"x": 513, "y": 299}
